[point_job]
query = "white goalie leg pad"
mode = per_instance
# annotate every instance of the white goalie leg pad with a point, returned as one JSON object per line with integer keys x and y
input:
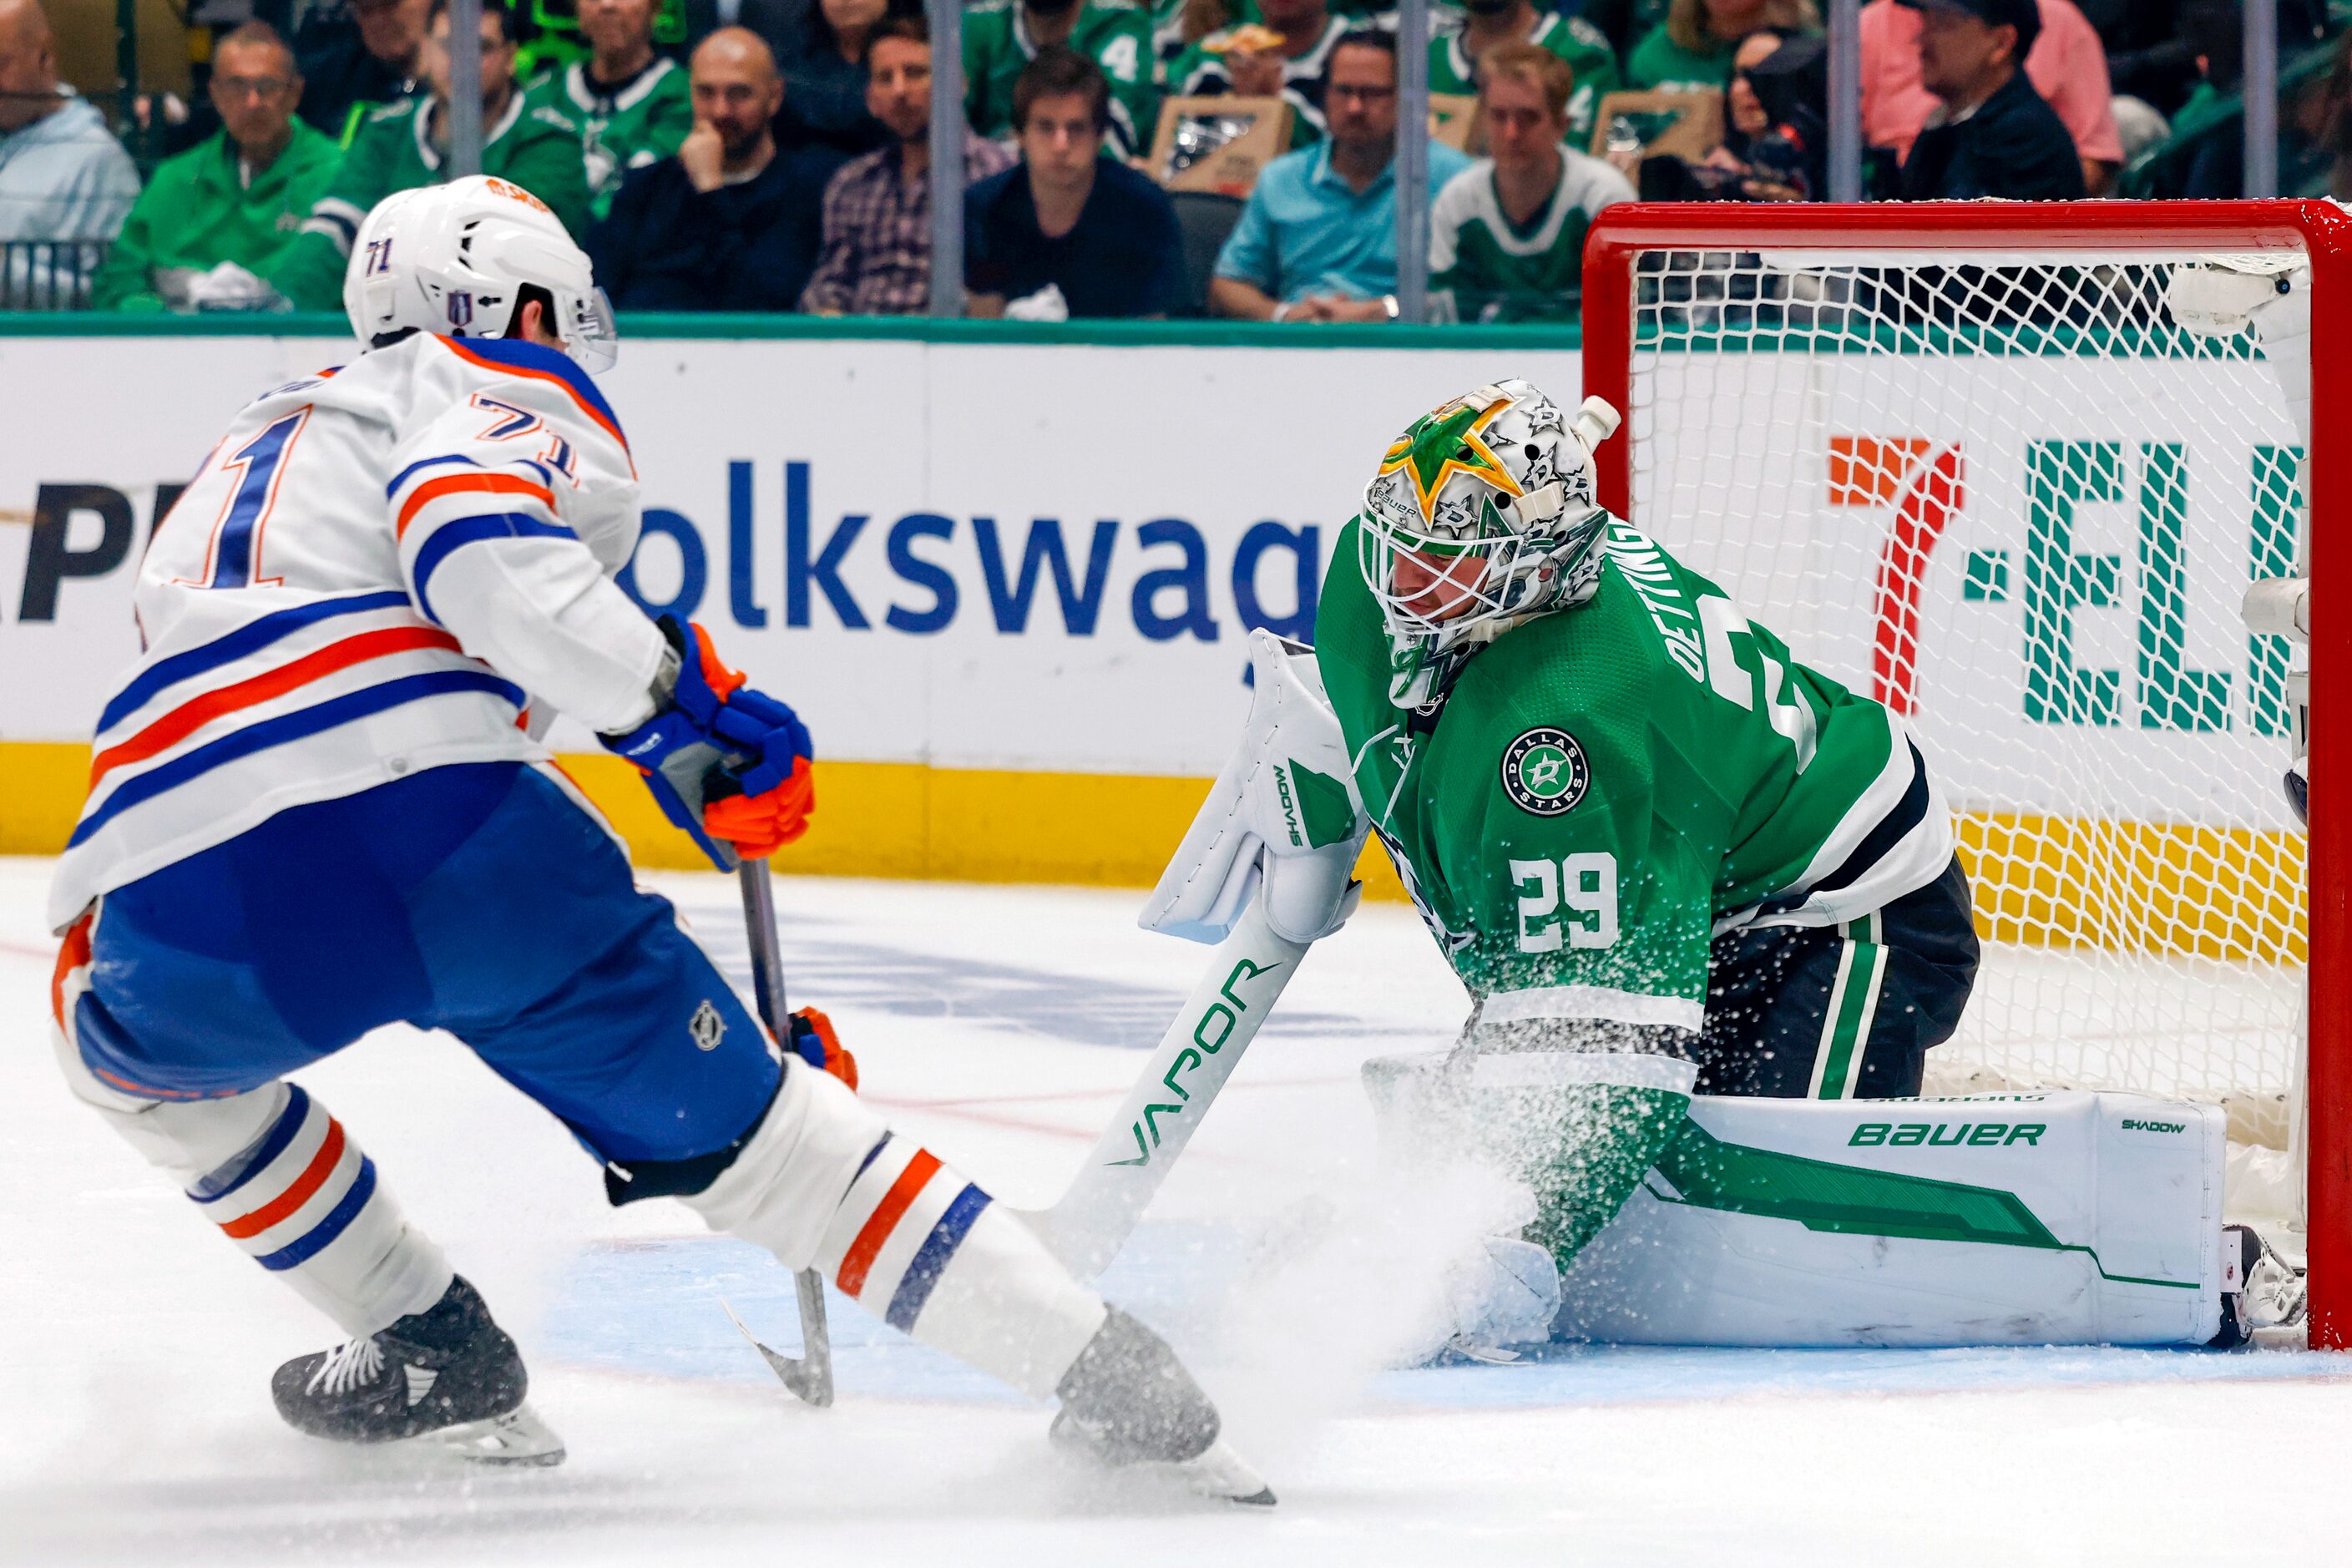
{"x": 1284, "y": 816}
{"x": 825, "y": 1184}
{"x": 2061, "y": 1218}
{"x": 2026, "y": 1218}
{"x": 282, "y": 1180}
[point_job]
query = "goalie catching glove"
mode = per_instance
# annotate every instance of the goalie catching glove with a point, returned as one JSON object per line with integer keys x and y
{"x": 729, "y": 765}
{"x": 1283, "y": 820}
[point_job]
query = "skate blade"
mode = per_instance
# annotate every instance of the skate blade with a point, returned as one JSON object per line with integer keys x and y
{"x": 1222, "y": 1473}
{"x": 519, "y": 1437}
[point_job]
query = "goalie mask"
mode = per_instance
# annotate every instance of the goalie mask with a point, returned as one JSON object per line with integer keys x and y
{"x": 461, "y": 259}
{"x": 1481, "y": 517}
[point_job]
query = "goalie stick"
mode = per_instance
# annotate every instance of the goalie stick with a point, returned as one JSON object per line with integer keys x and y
{"x": 810, "y": 1376}
{"x": 1194, "y": 1058}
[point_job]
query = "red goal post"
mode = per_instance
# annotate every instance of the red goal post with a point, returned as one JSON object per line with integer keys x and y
{"x": 2078, "y": 239}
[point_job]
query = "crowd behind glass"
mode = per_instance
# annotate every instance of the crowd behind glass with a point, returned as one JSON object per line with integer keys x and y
{"x": 1121, "y": 158}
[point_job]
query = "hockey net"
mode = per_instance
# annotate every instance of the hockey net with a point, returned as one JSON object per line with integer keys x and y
{"x": 1964, "y": 458}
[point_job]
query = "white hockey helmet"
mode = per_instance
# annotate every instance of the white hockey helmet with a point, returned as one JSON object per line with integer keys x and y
{"x": 455, "y": 260}
{"x": 1501, "y": 476}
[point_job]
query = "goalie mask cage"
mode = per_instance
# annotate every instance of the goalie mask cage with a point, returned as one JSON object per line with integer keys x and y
{"x": 1962, "y": 457}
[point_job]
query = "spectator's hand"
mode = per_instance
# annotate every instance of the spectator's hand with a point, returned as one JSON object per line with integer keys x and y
{"x": 703, "y": 156}
{"x": 1721, "y": 158}
{"x": 1336, "y": 309}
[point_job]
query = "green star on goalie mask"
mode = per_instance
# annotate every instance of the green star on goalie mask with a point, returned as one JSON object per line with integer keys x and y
{"x": 1490, "y": 497}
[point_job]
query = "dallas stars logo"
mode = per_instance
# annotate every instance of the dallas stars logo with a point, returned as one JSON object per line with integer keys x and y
{"x": 1449, "y": 440}
{"x": 1545, "y": 773}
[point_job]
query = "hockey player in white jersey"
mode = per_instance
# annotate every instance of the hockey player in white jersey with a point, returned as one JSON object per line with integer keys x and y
{"x": 317, "y": 807}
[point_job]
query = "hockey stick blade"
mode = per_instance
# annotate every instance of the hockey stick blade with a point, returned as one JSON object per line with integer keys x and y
{"x": 810, "y": 1376}
{"x": 1170, "y": 1096}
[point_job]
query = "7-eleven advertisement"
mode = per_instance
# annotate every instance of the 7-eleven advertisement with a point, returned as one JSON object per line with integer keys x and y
{"x": 2039, "y": 560}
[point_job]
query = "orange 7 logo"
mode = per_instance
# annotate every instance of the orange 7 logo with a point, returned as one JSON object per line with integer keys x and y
{"x": 1926, "y": 483}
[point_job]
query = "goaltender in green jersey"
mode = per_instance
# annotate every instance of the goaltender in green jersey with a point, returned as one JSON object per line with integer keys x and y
{"x": 1707, "y": 905}
{"x": 1624, "y": 809}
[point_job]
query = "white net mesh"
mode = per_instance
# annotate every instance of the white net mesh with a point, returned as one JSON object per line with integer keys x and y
{"x": 2019, "y": 503}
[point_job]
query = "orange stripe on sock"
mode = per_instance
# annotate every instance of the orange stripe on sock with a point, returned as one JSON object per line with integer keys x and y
{"x": 72, "y": 953}
{"x": 312, "y": 1178}
{"x": 884, "y": 1220}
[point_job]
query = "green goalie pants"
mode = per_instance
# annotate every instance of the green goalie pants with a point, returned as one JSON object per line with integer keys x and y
{"x": 1843, "y": 1012}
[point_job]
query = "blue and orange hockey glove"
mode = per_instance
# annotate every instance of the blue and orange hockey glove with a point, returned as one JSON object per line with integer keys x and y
{"x": 730, "y": 766}
{"x": 814, "y": 1043}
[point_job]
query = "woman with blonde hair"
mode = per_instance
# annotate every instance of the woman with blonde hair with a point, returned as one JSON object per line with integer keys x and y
{"x": 1692, "y": 50}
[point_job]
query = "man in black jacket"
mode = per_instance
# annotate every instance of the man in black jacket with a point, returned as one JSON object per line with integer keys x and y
{"x": 727, "y": 223}
{"x": 1994, "y": 136}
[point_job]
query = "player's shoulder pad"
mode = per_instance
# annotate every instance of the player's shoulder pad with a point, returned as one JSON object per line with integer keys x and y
{"x": 534, "y": 362}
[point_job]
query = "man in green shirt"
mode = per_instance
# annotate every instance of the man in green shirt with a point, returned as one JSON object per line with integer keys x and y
{"x": 1691, "y": 50}
{"x": 1506, "y": 235}
{"x": 1002, "y": 37}
{"x": 632, "y": 105}
{"x": 406, "y": 145}
{"x": 220, "y": 214}
{"x": 1454, "y": 53}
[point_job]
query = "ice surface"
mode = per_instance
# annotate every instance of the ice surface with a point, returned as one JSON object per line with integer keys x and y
{"x": 1001, "y": 1025}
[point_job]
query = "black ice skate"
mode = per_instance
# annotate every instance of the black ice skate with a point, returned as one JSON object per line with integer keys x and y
{"x": 1128, "y": 1402}
{"x": 447, "y": 1375}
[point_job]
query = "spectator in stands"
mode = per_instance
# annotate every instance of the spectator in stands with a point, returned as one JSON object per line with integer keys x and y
{"x": 780, "y": 24}
{"x": 2149, "y": 54}
{"x": 629, "y": 102}
{"x": 374, "y": 57}
{"x": 406, "y": 145}
{"x": 1293, "y": 70}
{"x": 2065, "y": 64}
{"x": 1776, "y": 147}
{"x": 1001, "y": 37}
{"x": 1506, "y": 235}
{"x": 824, "y": 82}
{"x": 219, "y": 216}
{"x": 64, "y": 179}
{"x": 1317, "y": 240}
{"x": 1068, "y": 218}
{"x": 1454, "y": 53}
{"x": 876, "y": 250}
{"x": 1691, "y": 50}
{"x": 1994, "y": 135}
{"x": 728, "y": 223}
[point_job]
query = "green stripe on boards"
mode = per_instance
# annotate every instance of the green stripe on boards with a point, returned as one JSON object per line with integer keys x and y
{"x": 1853, "y": 1007}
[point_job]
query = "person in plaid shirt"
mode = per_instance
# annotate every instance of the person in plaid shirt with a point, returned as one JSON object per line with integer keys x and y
{"x": 874, "y": 254}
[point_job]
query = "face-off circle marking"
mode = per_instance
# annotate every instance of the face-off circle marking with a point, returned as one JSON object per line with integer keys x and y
{"x": 1545, "y": 773}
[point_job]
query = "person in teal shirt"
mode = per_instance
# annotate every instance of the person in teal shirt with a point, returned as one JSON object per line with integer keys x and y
{"x": 1691, "y": 50}
{"x": 1317, "y": 240}
{"x": 239, "y": 196}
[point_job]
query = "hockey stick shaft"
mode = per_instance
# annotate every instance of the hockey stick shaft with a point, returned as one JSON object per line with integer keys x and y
{"x": 815, "y": 1383}
{"x": 1171, "y": 1097}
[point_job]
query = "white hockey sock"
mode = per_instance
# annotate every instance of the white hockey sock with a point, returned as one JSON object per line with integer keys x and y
{"x": 825, "y": 1184}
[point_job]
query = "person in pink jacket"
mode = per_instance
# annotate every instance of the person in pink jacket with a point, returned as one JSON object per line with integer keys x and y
{"x": 2068, "y": 65}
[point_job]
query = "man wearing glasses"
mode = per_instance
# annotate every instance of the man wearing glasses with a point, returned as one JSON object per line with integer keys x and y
{"x": 227, "y": 210}
{"x": 1318, "y": 241}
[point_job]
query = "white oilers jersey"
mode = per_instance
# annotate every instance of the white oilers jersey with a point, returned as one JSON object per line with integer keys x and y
{"x": 375, "y": 571}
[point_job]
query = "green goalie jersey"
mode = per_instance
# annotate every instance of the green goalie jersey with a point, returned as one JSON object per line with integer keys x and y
{"x": 1606, "y": 787}
{"x": 1114, "y": 34}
